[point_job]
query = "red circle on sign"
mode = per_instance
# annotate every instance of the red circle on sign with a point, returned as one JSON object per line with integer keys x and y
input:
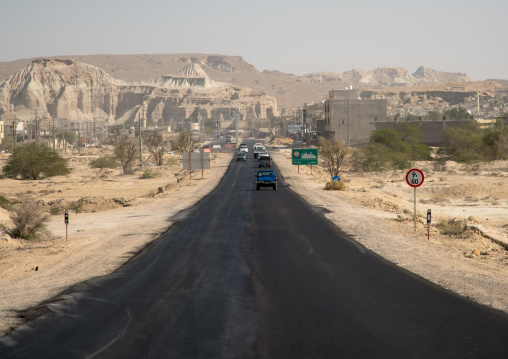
{"x": 414, "y": 177}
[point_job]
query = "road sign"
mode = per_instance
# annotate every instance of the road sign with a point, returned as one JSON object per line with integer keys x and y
{"x": 429, "y": 216}
{"x": 304, "y": 156}
{"x": 66, "y": 217}
{"x": 196, "y": 160}
{"x": 414, "y": 177}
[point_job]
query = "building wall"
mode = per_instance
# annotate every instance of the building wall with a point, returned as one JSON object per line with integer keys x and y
{"x": 351, "y": 120}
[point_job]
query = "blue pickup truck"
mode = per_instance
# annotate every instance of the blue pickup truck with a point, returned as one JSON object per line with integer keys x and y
{"x": 266, "y": 178}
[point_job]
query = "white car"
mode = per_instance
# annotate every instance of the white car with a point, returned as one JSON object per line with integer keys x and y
{"x": 216, "y": 146}
{"x": 243, "y": 147}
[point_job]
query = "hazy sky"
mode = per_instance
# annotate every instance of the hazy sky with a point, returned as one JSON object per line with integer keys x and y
{"x": 291, "y": 36}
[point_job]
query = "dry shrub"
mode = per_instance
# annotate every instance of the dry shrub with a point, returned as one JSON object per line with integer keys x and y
{"x": 452, "y": 226}
{"x": 335, "y": 186}
{"x": 29, "y": 221}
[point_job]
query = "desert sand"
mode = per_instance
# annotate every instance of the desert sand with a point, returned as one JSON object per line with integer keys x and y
{"x": 122, "y": 214}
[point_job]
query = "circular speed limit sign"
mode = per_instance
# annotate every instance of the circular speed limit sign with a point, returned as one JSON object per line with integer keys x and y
{"x": 414, "y": 178}
{"x": 296, "y": 153}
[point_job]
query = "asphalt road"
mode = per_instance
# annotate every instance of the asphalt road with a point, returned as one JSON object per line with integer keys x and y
{"x": 259, "y": 274}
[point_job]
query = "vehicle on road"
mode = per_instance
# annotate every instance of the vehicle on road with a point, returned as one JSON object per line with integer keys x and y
{"x": 206, "y": 148}
{"x": 241, "y": 156}
{"x": 266, "y": 178}
{"x": 264, "y": 160}
{"x": 243, "y": 147}
{"x": 216, "y": 146}
{"x": 258, "y": 148}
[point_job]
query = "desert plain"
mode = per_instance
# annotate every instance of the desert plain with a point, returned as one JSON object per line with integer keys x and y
{"x": 118, "y": 215}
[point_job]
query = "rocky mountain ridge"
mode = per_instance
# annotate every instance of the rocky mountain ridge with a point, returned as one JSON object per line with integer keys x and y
{"x": 290, "y": 90}
{"x": 388, "y": 77}
{"x": 67, "y": 88}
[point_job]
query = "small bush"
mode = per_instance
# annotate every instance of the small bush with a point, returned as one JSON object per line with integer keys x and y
{"x": 29, "y": 221}
{"x": 173, "y": 161}
{"x": 148, "y": 174}
{"x": 104, "y": 162}
{"x": 4, "y": 203}
{"x": 451, "y": 226}
{"x": 335, "y": 186}
{"x": 56, "y": 210}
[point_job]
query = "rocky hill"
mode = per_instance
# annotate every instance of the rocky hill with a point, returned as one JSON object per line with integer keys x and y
{"x": 289, "y": 90}
{"x": 67, "y": 88}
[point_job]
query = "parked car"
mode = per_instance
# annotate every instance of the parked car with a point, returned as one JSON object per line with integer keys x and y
{"x": 216, "y": 146}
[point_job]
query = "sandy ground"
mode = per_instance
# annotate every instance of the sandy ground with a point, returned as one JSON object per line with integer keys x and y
{"x": 375, "y": 209}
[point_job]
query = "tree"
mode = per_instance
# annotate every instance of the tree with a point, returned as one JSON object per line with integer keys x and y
{"x": 410, "y": 117}
{"x": 463, "y": 144}
{"x": 156, "y": 145}
{"x": 496, "y": 140}
{"x": 67, "y": 136}
{"x": 185, "y": 142}
{"x": 433, "y": 116}
{"x": 333, "y": 154}
{"x": 6, "y": 144}
{"x": 124, "y": 150}
{"x": 33, "y": 161}
{"x": 405, "y": 138}
{"x": 457, "y": 113}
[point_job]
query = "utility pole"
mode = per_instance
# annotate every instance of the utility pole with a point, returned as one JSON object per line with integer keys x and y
{"x": 36, "y": 128}
{"x": 65, "y": 137}
{"x": 140, "y": 140}
{"x": 79, "y": 137}
{"x": 348, "y": 124}
{"x": 14, "y": 135}
{"x": 14, "y": 132}
{"x": 94, "y": 133}
{"x": 54, "y": 135}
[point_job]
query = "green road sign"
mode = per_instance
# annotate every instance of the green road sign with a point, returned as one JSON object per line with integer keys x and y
{"x": 304, "y": 156}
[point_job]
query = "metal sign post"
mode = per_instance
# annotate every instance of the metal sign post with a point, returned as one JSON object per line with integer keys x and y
{"x": 66, "y": 224}
{"x": 414, "y": 178}
{"x": 428, "y": 224}
{"x": 304, "y": 156}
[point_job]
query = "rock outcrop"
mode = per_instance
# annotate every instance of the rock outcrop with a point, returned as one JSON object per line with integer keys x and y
{"x": 387, "y": 77}
{"x": 56, "y": 88}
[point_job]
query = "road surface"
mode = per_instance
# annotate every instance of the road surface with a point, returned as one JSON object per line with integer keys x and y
{"x": 259, "y": 274}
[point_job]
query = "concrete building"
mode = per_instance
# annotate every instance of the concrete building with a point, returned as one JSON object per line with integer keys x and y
{"x": 350, "y": 119}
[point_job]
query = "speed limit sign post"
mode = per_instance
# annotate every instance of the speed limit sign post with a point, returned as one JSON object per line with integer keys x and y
{"x": 414, "y": 178}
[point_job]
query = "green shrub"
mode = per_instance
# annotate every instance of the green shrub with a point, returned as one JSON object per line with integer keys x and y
{"x": 335, "y": 186}
{"x": 33, "y": 161}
